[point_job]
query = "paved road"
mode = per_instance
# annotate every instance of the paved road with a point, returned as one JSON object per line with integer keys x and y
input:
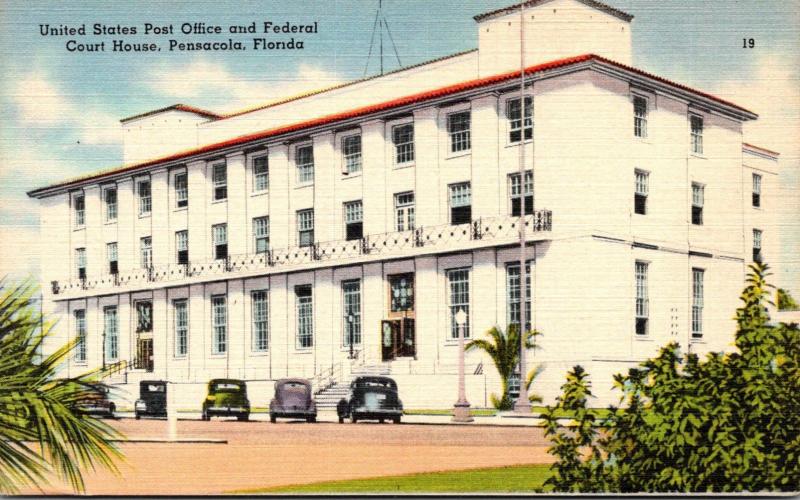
{"x": 260, "y": 454}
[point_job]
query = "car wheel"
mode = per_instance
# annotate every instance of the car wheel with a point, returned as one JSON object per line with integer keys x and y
{"x": 272, "y": 418}
{"x": 341, "y": 419}
{"x": 205, "y": 417}
{"x": 244, "y": 417}
{"x": 111, "y": 409}
{"x": 138, "y": 416}
{"x": 311, "y": 420}
{"x": 396, "y": 420}
{"x": 354, "y": 419}
{"x": 380, "y": 420}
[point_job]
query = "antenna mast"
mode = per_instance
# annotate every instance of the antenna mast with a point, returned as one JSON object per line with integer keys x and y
{"x": 378, "y": 26}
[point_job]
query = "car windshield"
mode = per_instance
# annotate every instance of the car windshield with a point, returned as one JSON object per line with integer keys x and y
{"x": 226, "y": 387}
{"x": 375, "y": 383}
{"x": 155, "y": 388}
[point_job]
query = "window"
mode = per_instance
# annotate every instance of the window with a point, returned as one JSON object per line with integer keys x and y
{"x": 181, "y": 190}
{"x": 639, "y": 116}
{"x": 260, "y": 315}
{"x": 112, "y": 256}
{"x": 80, "y": 335}
{"x": 641, "y": 188}
{"x": 698, "y": 194}
{"x": 181, "y": 312}
{"x": 110, "y": 198}
{"x": 401, "y": 290}
{"x": 460, "y": 203}
{"x": 219, "y": 177}
{"x": 458, "y": 126}
{"x": 403, "y": 138}
{"x": 515, "y": 124}
{"x": 642, "y": 301}
{"x": 512, "y": 291}
{"x": 182, "y": 246}
{"x": 261, "y": 234}
{"x": 80, "y": 258}
{"x": 756, "y": 190}
{"x": 516, "y": 193}
{"x": 304, "y": 160}
{"x": 696, "y": 133}
{"x": 404, "y": 211}
{"x": 146, "y": 252}
{"x": 260, "y": 173}
{"x": 351, "y": 151}
{"x": 145, "y": 202}
{"x": 697, "y": 303}
{"x": 757, "y": 245}
{"x": 219, "y": 234}
{"x": 351, "y": 293}
{"x": 305, "y": 227}
{"x": 79, "y": 202}
{"x": 144, "y": 316}
{"x": 219, "y": 318}
{"x": 111, "y": 333}
{"x": 353, "y": 220}
{"x": 305, "y": 316}
{"x": 459, "y": 299}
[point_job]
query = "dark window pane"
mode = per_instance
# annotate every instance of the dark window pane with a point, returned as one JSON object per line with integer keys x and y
{"x": 221, "y": 251}
{"x": 641, "y": 326}
{"x": 756, "y": 200}
{"x": 183, "y": 256}
{"x": 354, "y": 231}
{"x": 697, "y": 216}
{"x": 113, "y": 268}
{"x": 461, "y": 215}
{"x": 640, "y": 204}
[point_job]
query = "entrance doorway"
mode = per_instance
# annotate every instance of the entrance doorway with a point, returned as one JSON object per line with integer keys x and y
{"x": 144, "y": 354}
{"x": 398, "y": 332}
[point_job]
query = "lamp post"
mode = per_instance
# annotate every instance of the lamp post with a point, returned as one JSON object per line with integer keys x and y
{"x": 461, "y": 408}
{"x": 350, "y": 319}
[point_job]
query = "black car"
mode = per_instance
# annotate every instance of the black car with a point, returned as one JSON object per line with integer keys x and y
{"x": 98, "y": 403}
{"x": 371, "y": 398}
{"x": 293, "y": 399}
{"x": 226, "y": 398}
{"x": 152, "y": 400}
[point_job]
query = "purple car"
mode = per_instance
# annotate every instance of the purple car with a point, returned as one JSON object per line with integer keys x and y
{"x": 293, "y": 399}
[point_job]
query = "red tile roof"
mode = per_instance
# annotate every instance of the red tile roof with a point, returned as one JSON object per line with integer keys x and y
{"x": 175, "y": 107}
{"x": 530, "y": 3}
{"x": 375, "y": 108}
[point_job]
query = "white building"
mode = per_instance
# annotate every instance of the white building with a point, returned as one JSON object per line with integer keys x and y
{"x": 258, "y": 245}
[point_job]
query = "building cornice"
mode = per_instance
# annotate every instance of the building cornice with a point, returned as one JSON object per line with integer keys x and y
{"x": 406, "y": 105}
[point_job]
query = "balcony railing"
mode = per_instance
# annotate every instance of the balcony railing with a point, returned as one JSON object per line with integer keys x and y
{"x": 384, "y": 244}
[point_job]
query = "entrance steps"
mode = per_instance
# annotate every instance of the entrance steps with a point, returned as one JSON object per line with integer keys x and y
{"x": 328, "y": 398}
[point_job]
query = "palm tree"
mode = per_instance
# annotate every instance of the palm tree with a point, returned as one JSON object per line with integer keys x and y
{"x": 503, "y": 348}
{"x": 42, "y": 430}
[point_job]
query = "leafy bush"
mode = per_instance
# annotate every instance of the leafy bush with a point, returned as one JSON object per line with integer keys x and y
{"x": 729, "y": 423}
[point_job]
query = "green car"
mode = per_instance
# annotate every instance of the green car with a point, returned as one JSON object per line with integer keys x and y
{"x": 226, "y": 398}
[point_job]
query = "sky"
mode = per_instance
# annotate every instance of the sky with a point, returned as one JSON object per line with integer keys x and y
{"x": 60, "y": 111}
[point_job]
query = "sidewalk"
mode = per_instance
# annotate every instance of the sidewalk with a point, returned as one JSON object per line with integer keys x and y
{"x": 329, "y": 416}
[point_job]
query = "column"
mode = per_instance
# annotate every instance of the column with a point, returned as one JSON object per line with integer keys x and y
{"x": 160, "y": 333}
{"x": 326, "y": 225}
{"x": 199, "y": 232}
{"x": 281, "y": 218}
{"x": 95, "y": 247}
{"x": 428, "y": 194}
{"x": 375, "y": 165}
{"x": 488, "y": 185}
{"x": 126, "y": 213}
{"x": 161, "y": 239}
{"x": 238, "y": 329}
{"x": 238, "y": 225}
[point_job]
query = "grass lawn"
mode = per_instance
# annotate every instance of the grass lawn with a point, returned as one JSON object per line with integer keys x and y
{"x": 517, "y": 478}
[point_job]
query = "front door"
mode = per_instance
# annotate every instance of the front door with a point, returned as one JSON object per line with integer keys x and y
{"x": 398, "y": 335}
{"x": 144, "y": 354}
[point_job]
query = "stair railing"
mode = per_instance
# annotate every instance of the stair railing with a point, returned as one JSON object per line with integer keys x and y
{"x": 327, "y": 377}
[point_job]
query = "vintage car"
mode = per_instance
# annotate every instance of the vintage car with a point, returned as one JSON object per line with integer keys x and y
{"x": 152, "y": 400}
{"x": 293, "y": 399}
{"x": 98, "y": 403}
{"x": 371, "y": 398}
{"x": 226, "y": 398}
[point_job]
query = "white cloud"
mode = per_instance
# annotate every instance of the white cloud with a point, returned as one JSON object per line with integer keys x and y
{"x": 205, "y": 81}
{"x": 39, "y": 102}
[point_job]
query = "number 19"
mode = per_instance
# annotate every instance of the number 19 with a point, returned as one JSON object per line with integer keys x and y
{"x": 748, "y": 43}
